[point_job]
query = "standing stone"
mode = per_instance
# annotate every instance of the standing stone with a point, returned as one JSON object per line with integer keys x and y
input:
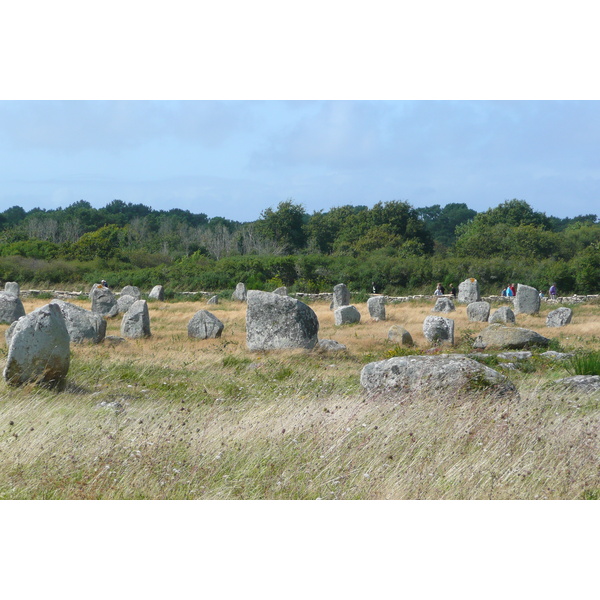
{"x": 39, "y": 349}
{"x": 439, "y": 330}
{"x": 104, "y": 302}
{"x": 240, "y": 293}
{"x": 157, "y": 293}
{"x": 443, "y": 305}
{"x": 468, "y": 291}
{"x": 12, "y": 287}
{"x": 131, "y": 290}
{"x": 527, "y": 300}
{"x": 83, "y": 325}
{"x": 346, "y": 315}
{"x": 136, "y": 321}
{"x": 504, "y": 314}
{"x": 376, "y": 306}
{"x": 341, "y": 296}
{"x": 399, "y": 335}
{"x": 276, "y": 322}
{"x": 478, "y": 311}
{"x": 282, "y": 291}
{"x": 204, "y": 325}
{"x": 11, "y": 308}
{"x": 513, "y": 338}
{"x": 559, "y": 317}
{"x": 125, "y": 302}
{"x": 213, "y": 300}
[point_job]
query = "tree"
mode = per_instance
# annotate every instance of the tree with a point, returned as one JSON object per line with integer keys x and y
{"x": 285, "y": 226}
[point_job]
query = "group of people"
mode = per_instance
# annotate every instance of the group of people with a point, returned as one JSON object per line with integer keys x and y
{"x": 440, "y": 290}
{"x": 510, "y": 290}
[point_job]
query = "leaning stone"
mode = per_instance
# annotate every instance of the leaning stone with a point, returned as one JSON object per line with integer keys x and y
{"x": 341, "y": 296}
{"x": 376, "y": 307}
{"x": 240, "y": 293}
{"x": 83, "y": 325}
{"x": 582, "y": 383}
{"x": 125, "y": 302}
{"x": 204, "y": 325}
{"x": 439, "y": 330}
{"x": 527, "y": 300}
{"x": 157, "y": 293}
{"x": 39, "y": 350}
{"x": 136, "y": 321}
{"x": 12, "y": 287}
{"x": 131, "y": 290}
{"x": 282, "y": 291}
{"x": 498, "y": 336}
{"x": 276, "y": 322}
{"x": 443, "y": 305}
{"x": 346, "y": 315}
{"x": 330, "y": 346}
{"x": 559, "y": 317}
{"x": 213, "y": 300}
{"x": 104, "y": 302}
{"x": 406, "y": 375}
{"x": 478, "y": 311}
{"x": 468, "y": 291}
{"x": 11, "y": 308}
{"x": 503, "y": 315}
{"x": 398, "y": 335}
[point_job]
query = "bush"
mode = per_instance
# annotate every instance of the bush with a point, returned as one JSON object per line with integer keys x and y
{"x": 586, "y": 363}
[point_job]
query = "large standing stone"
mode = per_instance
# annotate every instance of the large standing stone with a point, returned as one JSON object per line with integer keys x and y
{"x": 136, "y": 321}
{"x": 131, "y": 290}
{"x": 504, "y": 314}
{"x": 125, "y": 302}
{"x": 276, "y": 322}
{"x": 346, "y": 315}
{"x": 341, "y": 296}
{"x": 157, "y": 293}
{"x": 468, "y": 291}
{"x": 498, "y": 336}
{"x": 559, "y": 317}
{"x": 39, "y": 349}
{"x": 406, "y": 375}
{"x": 527, "y": 300}
{"x": 376, "y": 307}
{"x": 478, "y": 311}
{"x": 83, "y": 325}
{"x": 240, "y": 293}
{"x": 11, "y": 308}
{"x": 439, "y": 330}
{"x": 104, "y": 302}
{"x": 398, "y": 335}
{"x": 204, "y": 325}
{"x": 443, "y": 305}
{"x": 12, "y": 287}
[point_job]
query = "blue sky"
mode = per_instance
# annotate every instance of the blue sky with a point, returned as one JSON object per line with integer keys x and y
{"x": 236, "y": 158}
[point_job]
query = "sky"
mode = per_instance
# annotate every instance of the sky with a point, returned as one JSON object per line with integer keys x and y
{"x": 236, "y": 158}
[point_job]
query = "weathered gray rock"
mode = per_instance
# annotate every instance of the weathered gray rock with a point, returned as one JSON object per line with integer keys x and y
{"x": 553, "y": 355}
{"x": 559, "y": 317}
{"x": 438, "y": 330}
{"x": 104, "y": 302}
{"x": 11, "y": 308}
{"x": 282, "y": 291}
{"x": 478, "y": 311}
{"x": 131, "y": 290}
{"x": 136, "y": 321}
{"x": 39, "y": 349}
{"x": 114, "y": 340}
{"x": 8, "y": 333}
{"x": 527, "y": 300}
{"x": 523, "y": 355}
{"x": 330, "y": 346}
{"x": 240, "y": 293}
{"x": 346, "y": 315}
{"x": 341, "y": 296}
{"x": 157, "y": 293}
{"x": 504, "y": 314}
{"x": 376, "y": 307}
{"x": 468, "y": 291}
{"x": 405, "y": 375}
{"x": 582, "y": 383}
{"x": 213, "y": 300}
{"x": 204, "y": 325}
{"x": 498, "y": 336}
{"x": 12, "y": 287}
{"x": 276, "y": 322}
{"x": 125, "y": 302}
{"x": 444, "y": 305}
{"x": 398, "y": 335}
{"x": 83, "y": 325}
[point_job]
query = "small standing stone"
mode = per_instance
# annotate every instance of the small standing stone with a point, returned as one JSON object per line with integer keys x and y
{"x": 204, "y": 325}
{"x": 131, "y": 290}
{"x": 399, "y": 335}
{"x": 213, "y": 300}
{"x": 527, "y": 300}
{"x": 341, "y": 296}
{"x": 157, "y": 293}
{"x": 443, "y": 305}
{"x": 240, "y": 293}
{"x": 439, "y": 330}
{"x": 136, "y": 321}
{"x": 503, "y": 315}
{"x": 11, "y": 308}
{"x": 125, "y": 302}
{"x": 478, "y": 311}
{"x": 12, "y": 287}
{"x": 346, "y": 315}
{"x": 559, "y": 317}
{"x": 468, "y": 291}
{"x": 104, "y": 302}
{"x": 376, "y": 306}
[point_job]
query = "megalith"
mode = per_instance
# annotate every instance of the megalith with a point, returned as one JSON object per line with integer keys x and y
{"x": 11, "y": 308}
{"x": 125, "y": 302}
{"x": 240, "y": 293}
{"x": 157, "y": 293}
{"x": 438, "y": 330}
{"x": 468, "y": 291}
{"x": 204, "y": 325}
{"x": 527, "y": 300}
{"x": 12, "y": 287}
{"x": 504, "y": 314}
{"x": 136, "y": 321}
{"x": 376, "y": 307}
{"x": 213, "y": 300}
{"x": 499, "y": 336}
{"x": 560, "y": 317}
{"x": 398, "y": 335}
{"x": 131, "y": 290}
{"x": 443, "y": 305}
{"x": 83, "y": 325}
{"x": 104, "y": 302}
{"x": 341, "y": 296}
{"x": 346, "y": 315}
{"x": 478, "y": 311}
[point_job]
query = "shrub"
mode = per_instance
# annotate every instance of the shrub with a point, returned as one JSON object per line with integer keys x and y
{"x": 586, "y": 363}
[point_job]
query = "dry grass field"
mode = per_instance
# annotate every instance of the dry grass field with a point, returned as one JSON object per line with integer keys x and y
{"x": 173, "y": 418}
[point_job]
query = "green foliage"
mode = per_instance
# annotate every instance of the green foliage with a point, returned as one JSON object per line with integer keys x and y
{"x": 585, "y": 363}
{"x": 103, "y": 243}
{"x": 285, "y": 226}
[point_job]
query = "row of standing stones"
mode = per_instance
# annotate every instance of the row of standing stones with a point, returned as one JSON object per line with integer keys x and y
{"x": 39, "y": 342}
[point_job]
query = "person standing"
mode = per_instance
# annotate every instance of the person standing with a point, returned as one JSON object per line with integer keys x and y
{"x": 513, "y": 289}
{"x": 509, "y": 291}
{"x": 453, "y": 290}
{"x": 553, "y": 291}
{"x": 439, "y": 290}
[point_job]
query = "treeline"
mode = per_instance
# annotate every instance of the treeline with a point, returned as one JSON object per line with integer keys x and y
{"x": 399, "y": 248}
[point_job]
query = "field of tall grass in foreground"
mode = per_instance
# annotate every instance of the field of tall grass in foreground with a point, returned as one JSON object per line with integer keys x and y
{"x": 173, "y": 418}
